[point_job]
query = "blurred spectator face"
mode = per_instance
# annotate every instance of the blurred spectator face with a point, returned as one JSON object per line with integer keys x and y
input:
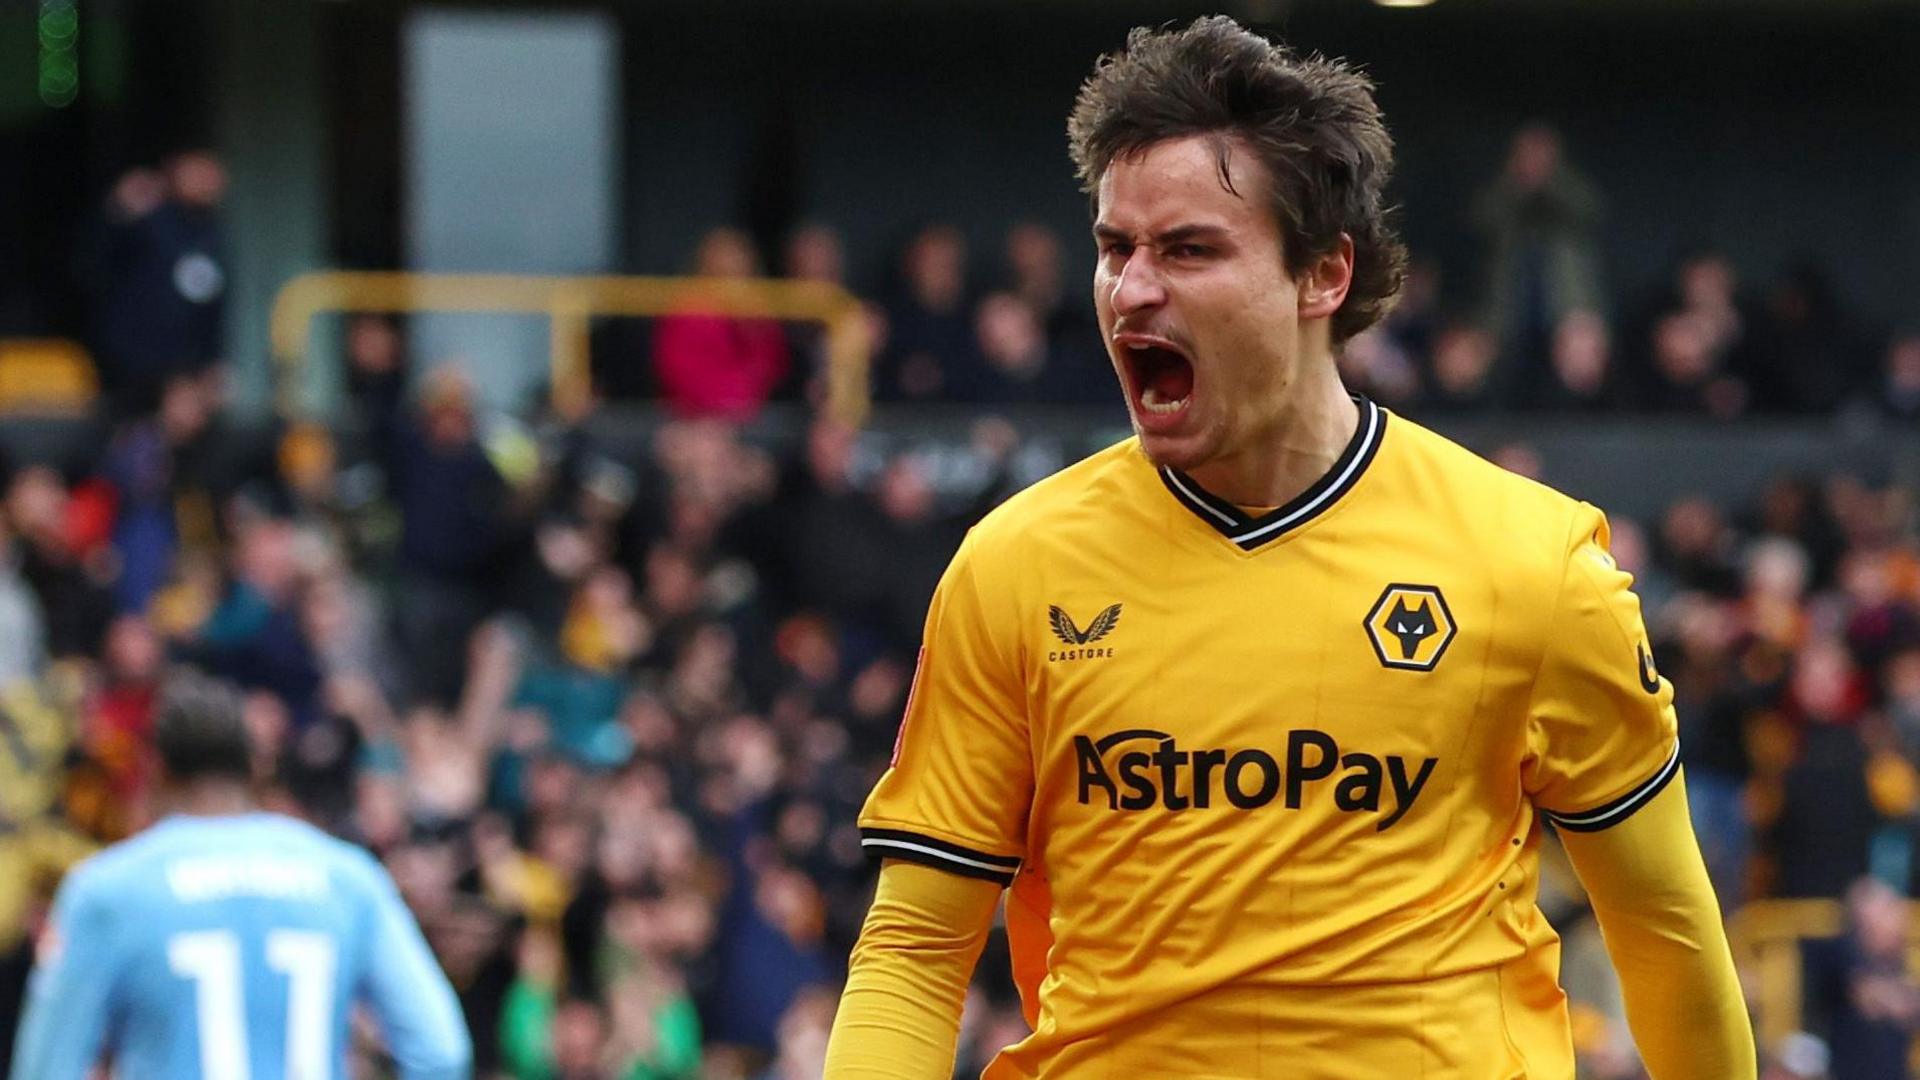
{"x": 133, "y": 650}
{"x": 905, "y": 494}
{"x": 373, "y": 344}
{"x": 197, "y": 179}
{"x": 686, "y": 923}
{"x": 465, "y": 937}
{"x": 801, "y": 827}
{"x": 674, "y": 584}
{"x": 380, "y": 810}
{"x": 1580, "y": 345}
{"x": 1707, "y": 281}
{"x": 1824, "y": 682}
{"x": 1628, "y": 545}
{"x": 1462, "y": 359}
{"x": 1878, "y": 918}
{"x": 1692, "y": 528}
{"x": 1374, "y": 362}
{"x": 37, "y": 506}
{"x": 1682, "y": 350}
{"x": 726, "y": 253}
{"x": 266, "y": 719}
{"x": 565, "y": 843}
{"x": 1785, "y": 506}
{"x": 802, "y": 1035}
{"x": 1901, "y": 681}
{"x": 551, "y": 784}
{"x": 936, "y": 267}
{"x": 1903, "y": 365}
{"x": 649, "y": 722}
{"x": 266, "y": 557}
{"x": 425, "y": 874}
{"x": 1776, "y": 570}
{"x": 621, "y": 859}
{"x": 1521, "y": 459}
{"x": 790, "y": 901}
{"x": 1009, "y": 334}
{"x": 814, "y": 253}
{"x": 676, "y": 848}
{"x": 187, "y": 406}
{"x": 1707, "y": 627}
{"x": 579, "y": 1039}
{"x": 830, "y": 453}
{"x": 566, "y": 550}
{"x": 806, "y": 644}
{"x": 447, "y": 405}
{"x": 1420, "y": 293}
{"x": 750, "y": 752}
{"x": 1534, "y": 156}
{"x": 1866, "y": 578}
{"x": 1033, "y": 254}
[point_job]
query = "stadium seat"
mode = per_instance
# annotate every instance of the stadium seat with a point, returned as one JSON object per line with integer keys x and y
{"x": 45, "y": 377}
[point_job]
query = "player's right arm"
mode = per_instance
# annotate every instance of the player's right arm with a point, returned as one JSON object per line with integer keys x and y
{"x": 899, "y": 1015}
{"x": 949, "y": 817}
{"x": 63, "y": 1028}
{"x": 418, "y": 1011}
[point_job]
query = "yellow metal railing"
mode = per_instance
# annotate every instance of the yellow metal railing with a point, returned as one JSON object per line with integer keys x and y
{"x": 570, "y": 304}
{"x": 1766, "y": 936}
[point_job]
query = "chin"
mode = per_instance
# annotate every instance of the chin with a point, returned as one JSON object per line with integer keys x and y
{"x": 1185, "y": 452}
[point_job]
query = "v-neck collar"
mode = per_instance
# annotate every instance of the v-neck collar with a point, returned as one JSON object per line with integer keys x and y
{"x": 1250, "y": 532}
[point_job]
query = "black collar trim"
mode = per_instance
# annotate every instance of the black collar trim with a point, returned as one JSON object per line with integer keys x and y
{"x": 1251, "y": 532}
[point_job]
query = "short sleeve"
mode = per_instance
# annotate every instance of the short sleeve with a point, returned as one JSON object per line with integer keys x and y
{"x": 1602, "y": 734}
{"x": 958, "y": 792}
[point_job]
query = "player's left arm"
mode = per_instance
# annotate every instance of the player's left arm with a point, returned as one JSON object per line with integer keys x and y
{"x": 63, "y": 1027}
{"x": 1603, "y": 767}
{"x": 418, "y": 1012}
{"x": 1661, "y": 922}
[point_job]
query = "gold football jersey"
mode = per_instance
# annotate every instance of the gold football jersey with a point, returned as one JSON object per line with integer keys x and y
{"x": 1269, "y": 789}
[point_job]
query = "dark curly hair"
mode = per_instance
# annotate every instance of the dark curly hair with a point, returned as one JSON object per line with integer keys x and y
{"x": 1310, "y": 121}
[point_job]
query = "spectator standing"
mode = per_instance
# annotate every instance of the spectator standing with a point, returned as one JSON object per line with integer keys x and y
{"x": 929, "y": 347}
{"x": 1860, "y": 983}
{"x": 157, "y": 271}
{"x": 1539, "y": 219}
{"x": 451, "y": 500}
{"x": 1036, "y": 275}
{"x": 713, "y": 365}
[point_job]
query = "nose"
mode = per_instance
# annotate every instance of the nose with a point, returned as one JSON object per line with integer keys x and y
{"x": 1138, "y": 286}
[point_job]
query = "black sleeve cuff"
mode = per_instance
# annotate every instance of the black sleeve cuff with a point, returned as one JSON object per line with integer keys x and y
{"x": 1620, "y": 809}
{"x": 928, "y": 851}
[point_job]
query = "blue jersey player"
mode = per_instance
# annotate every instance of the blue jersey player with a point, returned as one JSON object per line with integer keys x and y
{"x": 229, "y": 944}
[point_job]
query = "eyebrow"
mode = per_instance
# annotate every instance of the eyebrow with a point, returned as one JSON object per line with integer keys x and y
{"x": 1177, "y": 234}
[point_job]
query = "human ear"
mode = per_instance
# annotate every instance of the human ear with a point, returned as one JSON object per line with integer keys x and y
{"x": 1323, "y": 284}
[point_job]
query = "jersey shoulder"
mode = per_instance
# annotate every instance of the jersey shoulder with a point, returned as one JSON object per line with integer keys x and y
{"x": 1494, "y": 506}
{"x": 1074, "y": 502}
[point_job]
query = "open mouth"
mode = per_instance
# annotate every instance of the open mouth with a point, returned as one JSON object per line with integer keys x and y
{"x": 1162, "y": 375}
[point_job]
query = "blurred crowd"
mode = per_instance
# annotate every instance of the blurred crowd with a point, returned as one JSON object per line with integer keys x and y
{"x": 608, "y": 716}
{"x": 1535, "y": 328}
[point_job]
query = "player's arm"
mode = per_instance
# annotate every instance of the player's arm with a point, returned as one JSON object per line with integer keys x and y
{"x": 1603, "y": 768}
{"x": 418, "y": 1012}
{"x": 1661, "y": 922}
{"x": 63, "y": 1028}
{"x": 899, "y": 1016}
{"x": 949, "y": 817}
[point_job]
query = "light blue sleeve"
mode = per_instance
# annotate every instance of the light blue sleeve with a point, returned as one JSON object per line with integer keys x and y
{"x": 416, "y": 1006}
{"x": 64, "y": 1024}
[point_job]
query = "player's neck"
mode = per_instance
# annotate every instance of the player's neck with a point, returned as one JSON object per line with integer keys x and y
{"x": 211, "y": 797}
{"x": 1316, "y": 425}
